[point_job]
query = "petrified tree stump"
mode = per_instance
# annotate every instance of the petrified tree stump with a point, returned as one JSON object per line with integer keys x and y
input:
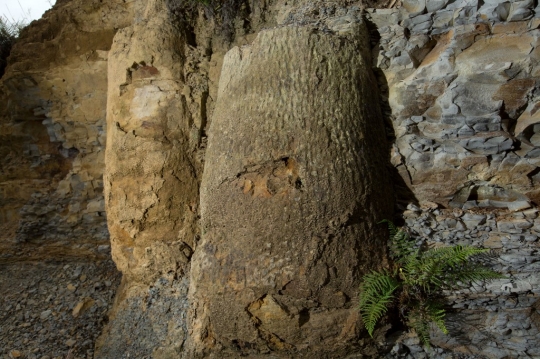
{"x": 294, "y": 182}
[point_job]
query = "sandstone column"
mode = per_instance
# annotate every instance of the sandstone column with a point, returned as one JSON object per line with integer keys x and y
{"x": 150, "y": 180}
{"x": 294, "y": 182}
{"x": 151, "y": 187}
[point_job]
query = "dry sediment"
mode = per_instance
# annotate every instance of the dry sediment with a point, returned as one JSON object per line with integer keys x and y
{"x": 50, "y": 309}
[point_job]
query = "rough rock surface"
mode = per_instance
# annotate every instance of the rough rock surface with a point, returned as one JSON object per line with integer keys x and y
{"x": 50, "y": 309}
{"x": 151, "y": 186}
{"x": 292, "y": 186}
{"x": 461, "y": 86}
{"x": 459, "y": 90}
{"x": 52, "y": 125}
{"x": 56, "y": 277}
{"x": 462, "y": 91}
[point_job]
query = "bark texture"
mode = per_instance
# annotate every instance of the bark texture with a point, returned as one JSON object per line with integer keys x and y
{"x": 294, "y": 182}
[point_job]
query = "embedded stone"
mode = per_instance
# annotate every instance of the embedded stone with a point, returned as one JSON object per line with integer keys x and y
{"x": 434, "y": 5}
{"x": 414, "y": 7}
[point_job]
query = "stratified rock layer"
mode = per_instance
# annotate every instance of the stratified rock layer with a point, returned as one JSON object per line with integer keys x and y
{"x": 52, "y": 131}
{"x": 294, "y": 182}
{"x": 462, "y": 87}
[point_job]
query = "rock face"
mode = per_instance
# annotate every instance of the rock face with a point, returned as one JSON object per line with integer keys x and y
{"x": 461, "y": 87}
{"x": 461, "y": 83}
{"x": 151, "y": 186}
{"x": 292, "y": 186}
{"x": 256, "y": 246}
{"x": 52, "y": 113}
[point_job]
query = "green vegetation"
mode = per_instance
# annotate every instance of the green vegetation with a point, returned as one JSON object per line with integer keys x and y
{"x": 9, "y": 31}
{"x": 416, "y": 281}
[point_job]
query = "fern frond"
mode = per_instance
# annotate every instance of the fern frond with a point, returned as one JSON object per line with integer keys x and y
{"x": 423, "y": 315}
{"x": 452, "y": 265}
{"x": 470, "y": 273}
{"x": 376, "y": 294}
{"x": 420, "y": 275}
{"x": 435, "y": 313}
{"x": 417, "y": 321}
{"x": 454, "y": 255}
{"x": 402, "y": 246}
{"x": 444, "y": 267}
{"x": 422, "y": 272}
{"x": 392, "y": 228}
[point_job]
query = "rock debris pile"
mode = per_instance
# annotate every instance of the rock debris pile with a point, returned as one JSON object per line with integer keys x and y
{"x": 48, "y": 310}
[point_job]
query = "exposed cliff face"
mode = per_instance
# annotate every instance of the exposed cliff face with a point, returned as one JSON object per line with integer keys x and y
{"x": 462, "y": 94}
{"x": 151, "y": 178}
{"x": 256, "y": 246}
{"x": 462, "y": 83}
{"x": 53, "y": 134}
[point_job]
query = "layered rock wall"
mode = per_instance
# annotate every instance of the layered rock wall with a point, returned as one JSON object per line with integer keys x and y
{"x": 462, "y": 89}
{"x": 461, "y": 81}
{"x": 459, "y": 91}
{"x": 53, "y": 134}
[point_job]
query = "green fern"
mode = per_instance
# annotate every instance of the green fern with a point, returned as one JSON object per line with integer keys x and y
{"x": 401, "y": 244}
{"x": 422, "y": 315}
{"x": 417, "y": 280}
{"x": 376, "y": 295}
{"x": 469, "y": 273}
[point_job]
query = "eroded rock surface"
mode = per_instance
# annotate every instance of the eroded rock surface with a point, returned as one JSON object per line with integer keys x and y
{"x": 151, "y": 185}
{"x": 52, "y": 124}
{"x": 280, "y": 251}
{"x": 461, "y": 83}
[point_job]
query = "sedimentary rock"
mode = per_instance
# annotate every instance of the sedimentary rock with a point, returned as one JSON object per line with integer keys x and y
{"x": 292, "y": 178}
{"x": 151, "y": 186}
{"x": 52, "y": 113}
{"x": 462, "y": 92}
{"x": 461, "y": 87}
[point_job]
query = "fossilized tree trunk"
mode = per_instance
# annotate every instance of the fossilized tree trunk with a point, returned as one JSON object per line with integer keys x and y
{"x": 150, "y": 179}
{"x": 151, "y": 187}
{"x": 294, "y": 182}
